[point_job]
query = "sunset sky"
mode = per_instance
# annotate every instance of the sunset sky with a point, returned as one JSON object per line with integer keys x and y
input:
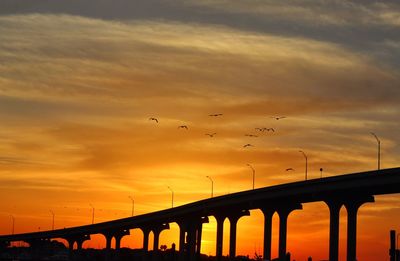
{"x": 79, "y": 81}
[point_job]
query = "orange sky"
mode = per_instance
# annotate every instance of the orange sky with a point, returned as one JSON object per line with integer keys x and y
{"x": 79, "y": 81}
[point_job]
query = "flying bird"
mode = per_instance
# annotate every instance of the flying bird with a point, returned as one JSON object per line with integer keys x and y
{"x": 250, "y": 135}
{"x": 153, "y": 119}
{"x": 211, "y": 134}
{"x": 278, "y": 117}
{"x": 183, "y": 127}
{"x": 215, "y": 115}
{"x": 260, "y": 129}
{"x": 289, "y": 169}
{"x": 247, "y": 145}
{"x": 270, "y": 129}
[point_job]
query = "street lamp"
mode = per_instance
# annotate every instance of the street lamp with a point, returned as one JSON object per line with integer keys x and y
{"x": 133, "y": 204}
{"x": 13, "y": 224}
{"x": 52, "y": 225}
{"x": 305, "y": 156}
{"x": 172, "y": 200}
{"x": 321, "y": 169}
{"x": 92, "y": 213}
{"x": 379, "y": 149}
{"x": 212, "y": 185}
{"x": 254, "y": 173}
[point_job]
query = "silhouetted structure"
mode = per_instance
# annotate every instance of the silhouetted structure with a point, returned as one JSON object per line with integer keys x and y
{"x": 350, "y": 191}
{"x": 392, "y": 250}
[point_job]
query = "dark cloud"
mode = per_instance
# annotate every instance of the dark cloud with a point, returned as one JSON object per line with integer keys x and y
{"x": 361, "y": 26}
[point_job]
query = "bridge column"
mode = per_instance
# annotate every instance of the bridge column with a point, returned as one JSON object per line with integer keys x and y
{"x": 118, "y": 235}
{"x": 156, "y": 231}
{"x": 199, "y": 235}
{"x": 190, "y": 233}
{"x": 146, "y": 232}
{"x": 334, "y": 210}
{"x": 71, "y": 243}
{"x": 182, "y": 234}
{"x": 283, "y": 213}
{"x": 233, "y": 219}
{"x": 268, "y": 213}
{"x": 118, "y": 241}
{"x": 191, "y": 242}
{"x": 108, "y": 241}
{"x": 220, "y": 235}
{"x": 352, "y": 207}
{"x": 79, "y": 239}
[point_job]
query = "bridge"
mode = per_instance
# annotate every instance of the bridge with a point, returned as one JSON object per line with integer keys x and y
{"x": 349, "y": 191}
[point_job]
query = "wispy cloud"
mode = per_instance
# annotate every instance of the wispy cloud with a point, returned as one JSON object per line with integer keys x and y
{"x": 77, "y": 89}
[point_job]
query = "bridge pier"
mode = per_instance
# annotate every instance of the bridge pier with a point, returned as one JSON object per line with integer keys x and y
{"x": 220, "y": 235}
{"x": 156, "y": 231}
{"x": 268, "y": 213}
{"x": 352, "y": 207}
{"x": 334, "y": 211}
{"x": 190, "y": 237}
{"x": 117, "y": 234}
{"x": 283, "y": 212}
{"x": 79, "y": 243}
{"x": 233, "y": 219}
{"x": 79, "y": 239}
{"x": 108, "y": 241}
{"x": 146, "y": 232}
{"x": 198, "y": 238}
{"x": 118, "y": 239}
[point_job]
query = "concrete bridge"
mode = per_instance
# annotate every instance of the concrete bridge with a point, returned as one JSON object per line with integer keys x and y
{"x": 350, "y": 191}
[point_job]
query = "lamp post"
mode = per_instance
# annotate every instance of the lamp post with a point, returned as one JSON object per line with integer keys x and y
{"x": 172, "y": 199}
{"x": 212, "y": 185}
{"x": 254, "y": 173}
{"x": 305, "y": 156}
{"x": 321, "y": 169}
{"x": 379, "y": 149}
{"x": 133, "y": 204}
{"x": 13, "y": 224}
{"x": 52, "y": 224}
{"x": 92, "y": 213}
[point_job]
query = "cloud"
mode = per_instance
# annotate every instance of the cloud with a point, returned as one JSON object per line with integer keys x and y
{"x": 94, "y": 86}
{"x": 357, "y": 25}
{"x": 76, "y": 94}
{"x": 114, "y": 63}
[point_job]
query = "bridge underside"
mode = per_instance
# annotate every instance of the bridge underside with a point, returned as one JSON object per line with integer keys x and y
{"x": 349, "y": 191}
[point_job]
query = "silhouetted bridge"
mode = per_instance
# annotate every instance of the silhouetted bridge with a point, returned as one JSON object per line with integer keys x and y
{"x": 351, "y": 191}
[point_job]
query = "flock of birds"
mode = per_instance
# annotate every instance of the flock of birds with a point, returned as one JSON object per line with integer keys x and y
{"x": 211, "y": 135}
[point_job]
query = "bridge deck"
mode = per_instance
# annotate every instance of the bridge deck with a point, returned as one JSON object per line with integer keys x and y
{"x": 386, "y": 181}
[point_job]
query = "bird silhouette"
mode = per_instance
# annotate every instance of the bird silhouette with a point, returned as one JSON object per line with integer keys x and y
{"x": 260, "y": 129}
{"x": 247, "y": 145}
{"x": 183, "y": 127}
{"x": 270, "y": 129}
{"x": 289, "y": 169}
{"x": 211, "y": 134}
{"x": 215, "y": 115}
{"x": 153, "y": 119}
{"x": 250, "y": 135}
{"x": 278, "y": 117}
